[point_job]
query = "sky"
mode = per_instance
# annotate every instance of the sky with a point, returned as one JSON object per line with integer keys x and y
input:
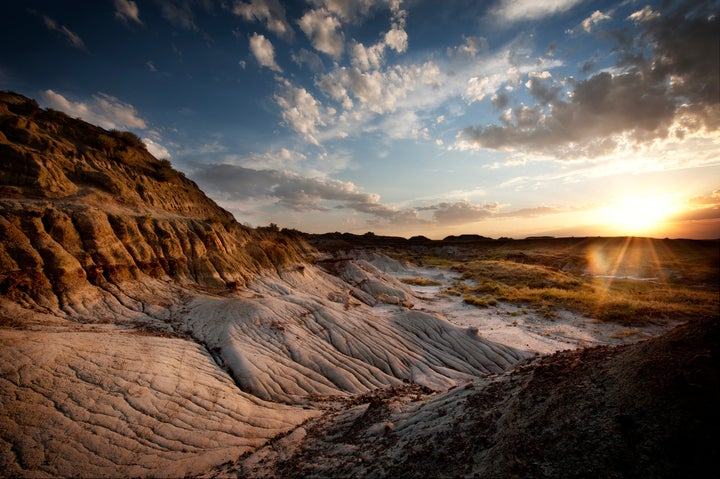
{"x": 402, "y": 117}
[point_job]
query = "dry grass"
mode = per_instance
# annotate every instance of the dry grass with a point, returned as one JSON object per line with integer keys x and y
{"x": 547, "y": 290}
{"x": 420, "y": 281}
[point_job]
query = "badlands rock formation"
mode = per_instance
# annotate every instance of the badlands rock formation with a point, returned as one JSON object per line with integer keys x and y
{"x": 144, "y": 332}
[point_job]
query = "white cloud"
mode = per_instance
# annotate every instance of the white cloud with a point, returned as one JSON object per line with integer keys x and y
{"x": 264, "y": 52}
{"x": 127, "y": 10}
{"x": 104, "y": 110}
{"x": 151, "y": 66}
{"x": 366, "y": 58}
{"x": 300, "y": 110}
{"x": 644, "y": 15}
{"x": 518, "y": 10}
{"x": 270, "y": 12}
{"x": 397, "y": 39}
{"x": 156, "y": 149}
{"x": 596, "y": 17}
{"x": 72, "y": 37}
{"x": 322, "y": 28}
{"x": 347, "y": 10}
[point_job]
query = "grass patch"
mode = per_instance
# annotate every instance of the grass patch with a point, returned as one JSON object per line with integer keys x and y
{"x": 547, "y": 290}
{"x": 420, "y": 281}
{"x": 479, "y": 302}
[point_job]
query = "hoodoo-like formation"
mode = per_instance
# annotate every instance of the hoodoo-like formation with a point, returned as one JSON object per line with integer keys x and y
{"x": 145, "y": 332}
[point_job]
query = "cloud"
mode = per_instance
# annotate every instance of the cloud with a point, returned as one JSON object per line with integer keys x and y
{"x": 156, "y": 149}
{"x": 469, "y": 50}
{"x": 306, "y": 57}
{"x": 596, "y": 17}
{"x": 322, "y": 28}
{"x": 270, "y": 12}
{"x": 518, "y": 10}
{"x": 646, "y": 14}
{"x": 296, "y": 192}
{"x": 300, "y": 110}
{"x": 397, "y": 39}
{"x": 178, "y": 13}
{"x": 151, "y": 66}
{"x": 72, "y": 37}
{"x": 127, "y": 11}
{"x": 462, "y": 212}
{"x": 104, "y": 110}
{"x": 290, "y": 190}
{"x": 348, "y": 11}
{"x": 667, "y": 96}
{"x": 264, "y": 52}
{"x": 701, "y": 208}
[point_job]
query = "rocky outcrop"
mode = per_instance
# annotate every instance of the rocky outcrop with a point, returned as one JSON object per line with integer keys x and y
{"x": 82, "y": 207}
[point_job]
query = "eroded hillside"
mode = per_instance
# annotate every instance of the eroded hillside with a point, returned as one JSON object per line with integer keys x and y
{"x": 146, "y": 333}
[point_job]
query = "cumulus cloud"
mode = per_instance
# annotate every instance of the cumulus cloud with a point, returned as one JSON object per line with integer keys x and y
{"x": 269, "y": 12}
{"x": 348, "y": 11}
{"x": 300, "y": 110}
{"x": 396, "y": 38}
{"x": 127, "y": 11}
{"x": 264, "y": 52}
{"x": 596, "y": 17}
{"x": 71, "y": 37}
{"x": 518, "y": 10}
{"x": 367, "y": 58}
{"x": 104, "y": 110}
{"x": 323, "y": 30}
{"x": 672, "y": 93}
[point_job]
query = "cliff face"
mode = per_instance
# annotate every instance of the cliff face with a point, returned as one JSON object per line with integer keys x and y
{"x": 84, "y": 208}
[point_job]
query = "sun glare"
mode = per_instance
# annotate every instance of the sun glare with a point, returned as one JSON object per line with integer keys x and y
{"x": 634, "y": 215}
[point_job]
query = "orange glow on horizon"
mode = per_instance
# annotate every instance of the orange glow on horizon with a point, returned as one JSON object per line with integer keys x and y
{"x": 639, "y": 215}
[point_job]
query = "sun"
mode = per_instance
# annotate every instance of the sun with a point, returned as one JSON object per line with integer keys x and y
{"x": 639, "y": 214}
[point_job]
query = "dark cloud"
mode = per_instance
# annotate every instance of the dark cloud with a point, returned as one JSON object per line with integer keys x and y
{"x": 500, "y": 100}
{"x": 676, "y": 85}
{"x": 544, "y": 90}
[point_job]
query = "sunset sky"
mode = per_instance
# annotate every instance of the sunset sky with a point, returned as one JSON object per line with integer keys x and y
{"x": 418, "y": 117}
